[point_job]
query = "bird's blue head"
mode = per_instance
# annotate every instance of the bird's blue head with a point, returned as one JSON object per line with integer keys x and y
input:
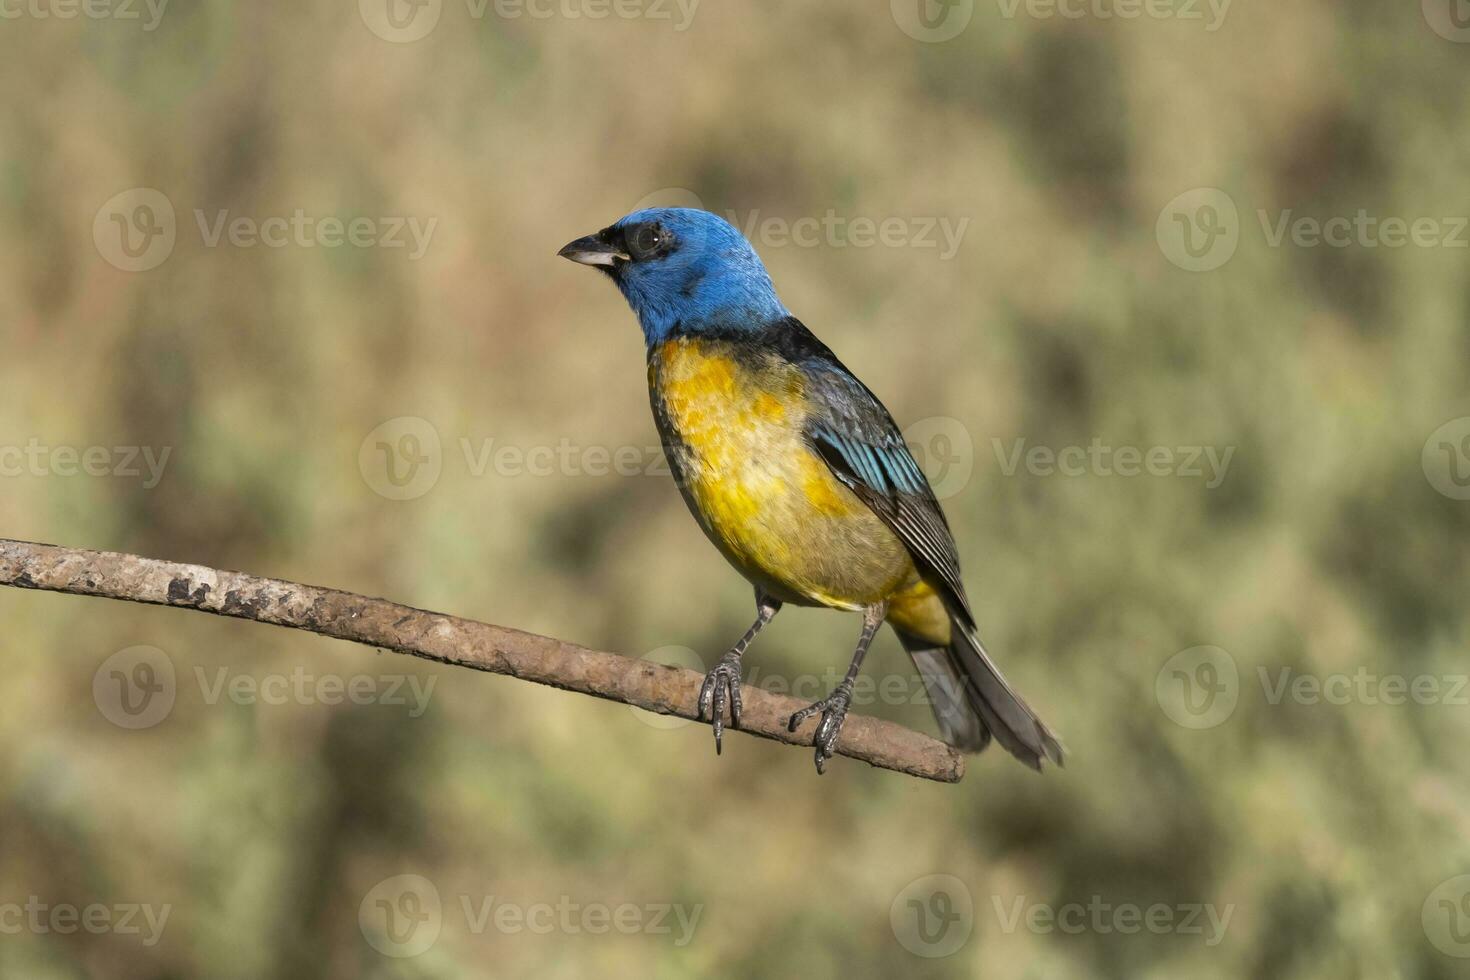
{"x": 682, "y": 270}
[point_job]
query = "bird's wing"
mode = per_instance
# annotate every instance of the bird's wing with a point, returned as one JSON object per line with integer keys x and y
{"x": 852, "y": 431}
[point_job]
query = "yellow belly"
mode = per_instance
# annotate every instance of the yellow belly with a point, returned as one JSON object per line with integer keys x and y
{"x": 770, "y": 504}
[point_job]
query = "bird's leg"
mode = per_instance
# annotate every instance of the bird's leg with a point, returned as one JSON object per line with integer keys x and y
{"x": 834, "y": 706}
{"x": 722, "y": 684}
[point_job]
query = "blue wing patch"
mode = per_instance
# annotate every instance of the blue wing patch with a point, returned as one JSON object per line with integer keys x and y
{"x": 852, "y": 431}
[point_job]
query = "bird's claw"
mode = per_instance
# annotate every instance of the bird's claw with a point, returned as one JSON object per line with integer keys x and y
{"x": 721, "y": 687}
{"x": 834, "y": 711}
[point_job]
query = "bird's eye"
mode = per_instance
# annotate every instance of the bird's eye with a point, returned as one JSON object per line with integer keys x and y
{"x": 647, "y": 241}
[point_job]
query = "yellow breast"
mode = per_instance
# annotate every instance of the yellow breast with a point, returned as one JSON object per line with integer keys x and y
{"x": 766, "y": 500}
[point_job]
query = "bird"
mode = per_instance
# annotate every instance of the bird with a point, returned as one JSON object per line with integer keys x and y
{"x": 800, "y": 477}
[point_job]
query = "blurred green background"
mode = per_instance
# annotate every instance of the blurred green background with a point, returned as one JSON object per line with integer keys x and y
{"x": 1121, "y": 183}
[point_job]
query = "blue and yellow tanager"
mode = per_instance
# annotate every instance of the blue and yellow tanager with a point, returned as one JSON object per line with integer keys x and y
{"x": 799, "y": 476}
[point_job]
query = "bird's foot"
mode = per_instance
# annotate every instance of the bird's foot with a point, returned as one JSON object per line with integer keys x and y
{"x": 721, "y": 687}
{"x": 834, "y": 710}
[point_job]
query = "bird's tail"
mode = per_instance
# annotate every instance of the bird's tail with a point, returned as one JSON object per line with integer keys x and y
{"x": 973, "y": 703}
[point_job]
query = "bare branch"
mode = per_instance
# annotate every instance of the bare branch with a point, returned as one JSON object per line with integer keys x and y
{"x": 451, "y": 640}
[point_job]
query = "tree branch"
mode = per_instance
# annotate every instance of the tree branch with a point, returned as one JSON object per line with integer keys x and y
{"x": 451, "y": 640}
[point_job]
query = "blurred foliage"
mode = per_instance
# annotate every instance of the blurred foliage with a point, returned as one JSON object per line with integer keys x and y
{"x": 1060, "y": 320}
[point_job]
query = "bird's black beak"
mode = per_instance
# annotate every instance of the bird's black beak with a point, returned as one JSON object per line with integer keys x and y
{"x": 604, "y": 248}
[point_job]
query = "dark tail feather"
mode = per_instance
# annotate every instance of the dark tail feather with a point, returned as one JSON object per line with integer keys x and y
{"x": 973, "y": 703}
{"x": 959, "y": 724}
